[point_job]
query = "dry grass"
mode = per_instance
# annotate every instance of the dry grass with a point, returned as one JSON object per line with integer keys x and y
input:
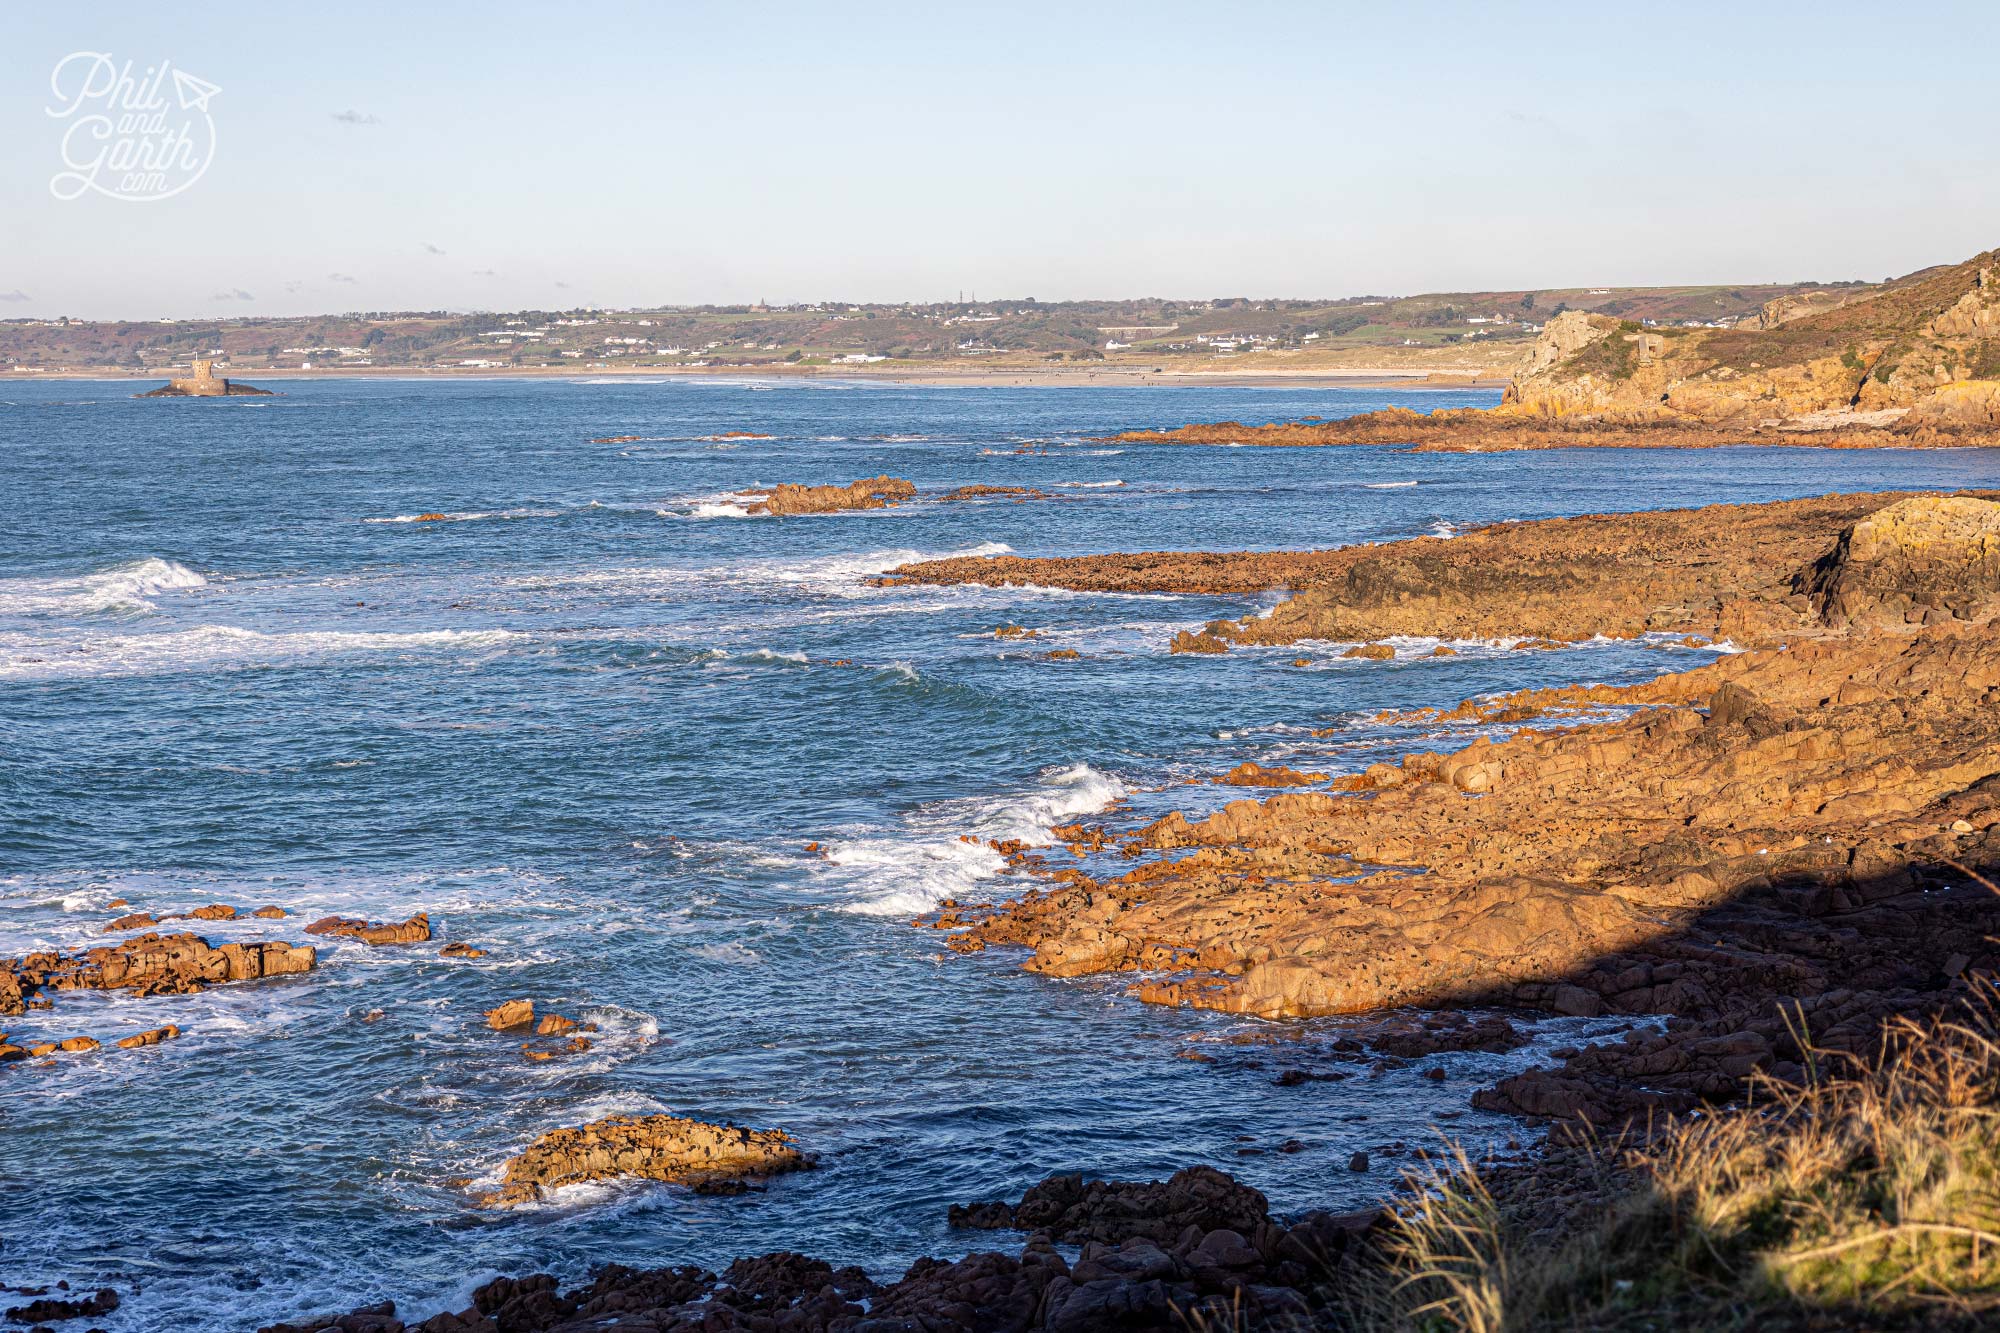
{"x": 1867, "y": 1196}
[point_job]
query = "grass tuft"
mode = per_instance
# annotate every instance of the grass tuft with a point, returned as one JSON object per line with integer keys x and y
{"x": 1866, "y": 1195}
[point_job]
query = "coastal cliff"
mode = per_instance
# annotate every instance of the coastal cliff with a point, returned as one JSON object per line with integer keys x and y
{"x": 1915, "y": 363}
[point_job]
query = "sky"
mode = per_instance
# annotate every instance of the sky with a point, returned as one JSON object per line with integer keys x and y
{"x": 494, "y": 156}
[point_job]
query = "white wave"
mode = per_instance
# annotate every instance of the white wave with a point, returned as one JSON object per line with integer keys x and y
{"x": 1444, "y": 529}
{"x": 207, "y": 647}
{"x": 1386, "y": 485}
{"x": 774, "y": 655}
{"x": 907, "y": 875}
{"x": 730, "y": 952}
{"x": 1087, "y": 485}
{"x": 716, "y": 511}
{"x": 909, "y": 878}
{"x": 121, "y": 588}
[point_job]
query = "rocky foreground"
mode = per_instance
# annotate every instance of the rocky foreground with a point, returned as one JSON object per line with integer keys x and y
{"x": 1198, "y": 1251}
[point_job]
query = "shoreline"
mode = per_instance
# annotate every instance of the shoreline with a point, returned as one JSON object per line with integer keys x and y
{"x": 1398, "y": 377}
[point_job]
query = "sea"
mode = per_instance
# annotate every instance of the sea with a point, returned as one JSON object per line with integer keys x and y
{"x": 686, "y": 773}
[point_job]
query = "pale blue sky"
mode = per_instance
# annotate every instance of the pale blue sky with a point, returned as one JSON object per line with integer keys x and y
{"x": 625, "y": 154}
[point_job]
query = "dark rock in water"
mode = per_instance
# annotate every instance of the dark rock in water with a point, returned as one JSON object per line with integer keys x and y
{"x": 1262, "y": 1275}
{"x": 51, "y": 1310}
{"x": 1070, "y": 1208}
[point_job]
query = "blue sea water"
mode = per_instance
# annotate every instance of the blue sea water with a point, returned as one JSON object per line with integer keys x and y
{"x": 590, "y": 722}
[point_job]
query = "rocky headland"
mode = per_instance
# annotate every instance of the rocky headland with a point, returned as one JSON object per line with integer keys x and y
{"x": 1913, "y": 364}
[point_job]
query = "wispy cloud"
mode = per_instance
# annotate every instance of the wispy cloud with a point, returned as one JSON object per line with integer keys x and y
{"x": 430, "y": 249}
{"x": 16, "y": 295}
{"x": 563, "y": 285}
{"x": 353, "y": 117}
{"x": 484, "y": 273}
{"x": 233, "y": 294}
{"x": 339, "y": 277}
{"x": 293, "y": 285}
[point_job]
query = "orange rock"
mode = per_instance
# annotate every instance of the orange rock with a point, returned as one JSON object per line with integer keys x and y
{"x": 1252, "y": 774}
{"x": 150, "y": 1038}
{"x": 131, "y": 921}
{"x": 1380, "y": 652}
{"x": 413, "y": 931}
{"x": 77, "y": 1045}
{"x": 271, "y": 913}
{"x": 150, "y": 964}
{"x": 554, "y": 1025}
{"x": 512, "y": 1014}
{"x": 874, "y": 493}
{"x": 460, "y": 949}
{"x": 659, "y": 1147}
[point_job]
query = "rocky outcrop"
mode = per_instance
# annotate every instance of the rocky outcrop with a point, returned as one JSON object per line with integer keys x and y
{"x": 657, "y": 1147}
{"x": 1018, "y": 494}
{"x": 150, "y": 1038}
{"x": 1842, "y": 763}
{"x": 1719, "y": 571}
{"x": 1920, "y": 561}
{"x": 1250, "y": 773}
{"x": 1228, "y": 1264}
{"x": 413, "y": 931}
{"x": 1783, "y": 825}
{"x": 872, "y": 493}
{"x": 510, "y": 1015}
{"x": 151, "y": 964}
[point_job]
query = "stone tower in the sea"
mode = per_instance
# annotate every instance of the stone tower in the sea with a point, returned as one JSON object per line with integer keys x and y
{"x": 203, "y": 383}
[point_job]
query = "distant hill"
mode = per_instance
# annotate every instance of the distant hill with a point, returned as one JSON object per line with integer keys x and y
{"x": 1484, "y": 329}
